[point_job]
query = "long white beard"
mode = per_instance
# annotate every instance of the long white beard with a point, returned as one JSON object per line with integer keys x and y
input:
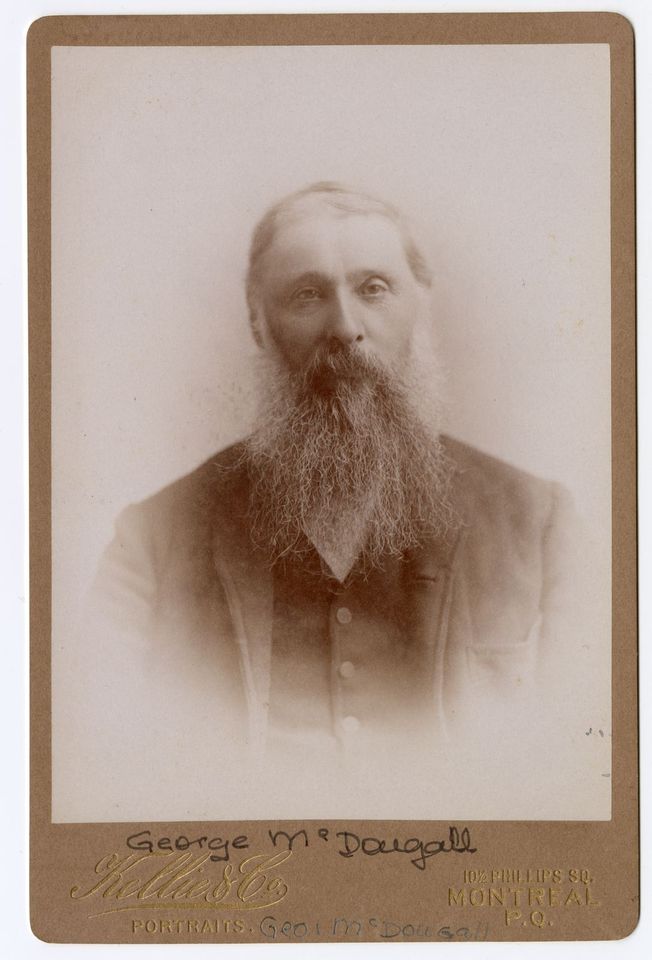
{"x": 341, "y": 441}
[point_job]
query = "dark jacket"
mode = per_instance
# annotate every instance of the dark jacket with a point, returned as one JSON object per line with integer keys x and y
{"x": 172, "y": 683}
{"x": 496, "y": 613}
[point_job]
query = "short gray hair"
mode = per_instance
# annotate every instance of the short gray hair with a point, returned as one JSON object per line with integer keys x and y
{"x": 338, "y": 197}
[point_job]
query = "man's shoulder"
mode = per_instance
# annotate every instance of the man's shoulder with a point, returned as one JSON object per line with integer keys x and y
{"x": 188, "y": 505}
{"x": 485, "y": 483}
{"x": 482, "y": 484}
{"x": 224, "y": 469}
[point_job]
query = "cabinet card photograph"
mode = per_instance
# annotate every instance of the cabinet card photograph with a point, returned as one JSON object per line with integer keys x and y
{"x": 333, "y": 516}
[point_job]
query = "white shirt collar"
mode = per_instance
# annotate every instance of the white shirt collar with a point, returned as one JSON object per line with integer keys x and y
{"x": 343, "y": 546}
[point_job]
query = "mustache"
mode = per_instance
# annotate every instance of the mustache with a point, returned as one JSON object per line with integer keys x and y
{"x": 334, "y": 363}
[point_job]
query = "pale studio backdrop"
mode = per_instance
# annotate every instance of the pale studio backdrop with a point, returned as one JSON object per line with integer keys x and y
{"x": 165, "y": 158}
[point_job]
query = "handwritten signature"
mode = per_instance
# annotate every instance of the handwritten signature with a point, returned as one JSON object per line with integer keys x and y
{"x": 458, "y": 841}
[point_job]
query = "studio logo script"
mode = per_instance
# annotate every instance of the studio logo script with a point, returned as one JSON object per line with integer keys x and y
{"x": 170, "y": 879}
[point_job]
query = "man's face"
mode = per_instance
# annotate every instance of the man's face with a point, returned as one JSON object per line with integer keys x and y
{"x": 341, "y": 280}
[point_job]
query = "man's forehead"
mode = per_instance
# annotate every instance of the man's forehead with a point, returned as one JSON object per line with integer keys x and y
{"x": 323, "y": 240}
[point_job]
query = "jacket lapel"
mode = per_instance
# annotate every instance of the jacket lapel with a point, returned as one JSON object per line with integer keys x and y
{"x": 431, "y": 573}
{"x": 247, "y": 582}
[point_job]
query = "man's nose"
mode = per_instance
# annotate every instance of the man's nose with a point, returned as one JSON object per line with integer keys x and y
{"x": 344, "y": 321}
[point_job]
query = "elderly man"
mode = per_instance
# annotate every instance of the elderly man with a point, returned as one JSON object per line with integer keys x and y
{"x": 346, "y": 575}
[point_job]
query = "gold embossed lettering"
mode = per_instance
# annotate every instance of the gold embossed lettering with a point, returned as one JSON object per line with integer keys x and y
{"x": 128, "y": 889}
{"x": 192, "y": 889}
{"x": 572, "y": 898}
{"x": 177, "y": 881}
{"x": 116, "y": 869}
{"x": 536, "y": 895}
{"x": 180, "y": 867}
{"x": 223, "y": 888}
{"x": 254, "y": 878}
{"x": 511, "y": 916}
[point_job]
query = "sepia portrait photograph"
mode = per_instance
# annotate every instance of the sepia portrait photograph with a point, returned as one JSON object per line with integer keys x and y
{"x": 331, "y": 432}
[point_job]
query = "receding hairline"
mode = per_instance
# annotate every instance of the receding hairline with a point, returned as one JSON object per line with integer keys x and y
{"x": 342, "y": 201}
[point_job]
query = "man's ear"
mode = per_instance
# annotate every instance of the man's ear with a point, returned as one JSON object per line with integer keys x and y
{"x": 256, "y": 322}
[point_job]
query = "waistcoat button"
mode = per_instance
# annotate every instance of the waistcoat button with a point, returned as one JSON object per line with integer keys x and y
{"x": 347, "y": 669}
{"x": 351, "y": 724}
{"x": 344, "y": 615}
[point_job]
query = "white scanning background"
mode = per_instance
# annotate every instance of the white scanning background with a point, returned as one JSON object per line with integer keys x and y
{"x": 164, "y": 158}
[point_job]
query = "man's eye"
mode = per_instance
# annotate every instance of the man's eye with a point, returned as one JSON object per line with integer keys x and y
{"x": 307, "y": 294}
{"x": 374, "y": 288}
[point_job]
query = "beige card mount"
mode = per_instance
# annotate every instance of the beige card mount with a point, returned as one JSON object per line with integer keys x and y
{"x": 332, "y": 478}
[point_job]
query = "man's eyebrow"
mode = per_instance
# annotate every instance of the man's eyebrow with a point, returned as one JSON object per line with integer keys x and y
{"x": 310, "y": 276}
{"x": 365, "y": 272}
